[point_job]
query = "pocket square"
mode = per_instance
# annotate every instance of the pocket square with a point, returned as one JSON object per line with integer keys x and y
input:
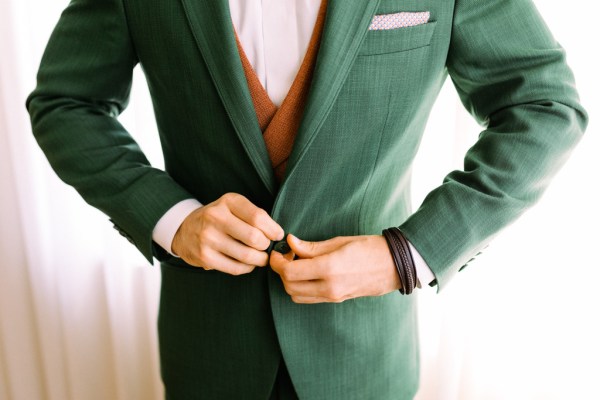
{"x": 398, "y": 20}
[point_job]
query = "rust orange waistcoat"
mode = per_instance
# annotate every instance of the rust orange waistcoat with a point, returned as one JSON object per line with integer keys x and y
{"x": 280, "y": 125}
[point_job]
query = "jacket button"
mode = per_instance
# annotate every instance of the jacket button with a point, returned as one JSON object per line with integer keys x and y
{"x": 282, "y": 247}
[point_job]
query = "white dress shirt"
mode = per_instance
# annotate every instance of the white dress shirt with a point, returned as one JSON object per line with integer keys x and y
{"x": 275, "y": 36}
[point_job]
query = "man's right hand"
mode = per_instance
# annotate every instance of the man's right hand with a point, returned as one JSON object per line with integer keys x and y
{"x": 229, "y": 235}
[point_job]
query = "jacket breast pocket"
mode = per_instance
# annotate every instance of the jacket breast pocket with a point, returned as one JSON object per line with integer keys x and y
{"x": 397, "y": 40}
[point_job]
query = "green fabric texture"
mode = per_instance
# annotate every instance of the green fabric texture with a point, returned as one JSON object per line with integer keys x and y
{"x": 349, "y": 172}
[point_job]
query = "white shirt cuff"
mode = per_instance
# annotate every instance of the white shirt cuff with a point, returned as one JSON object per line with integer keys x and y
{"x": 424, "y": 274}
{"x": 167, "y": 226}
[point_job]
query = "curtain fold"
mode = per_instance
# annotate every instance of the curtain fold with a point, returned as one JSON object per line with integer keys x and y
{"x": 77, "y": 306}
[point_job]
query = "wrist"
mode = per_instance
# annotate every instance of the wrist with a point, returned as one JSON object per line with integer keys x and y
{"x": 391, "y": 280}
{"x": 170, "y": 223}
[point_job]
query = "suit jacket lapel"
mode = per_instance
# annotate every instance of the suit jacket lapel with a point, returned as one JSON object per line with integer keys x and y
{"x": 212, "y": 28}
{"x": 346, "y": 26}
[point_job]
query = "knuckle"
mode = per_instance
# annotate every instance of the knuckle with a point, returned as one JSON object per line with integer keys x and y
{"x": 200, "y": 232}
{"x": 334, "y": 292}
{"x": 328, "y": 289}
{"x": 263, "y": 259}
{"x": 242, "y": 270}
{"x": 286, "y": 275}
{"x": 328, "y": 273}
{"x": 232, "y": 199}
{"x": 246, "y": 254}
{"x": 264, "y": 219}
{"x": 327, "y": 276}
{"x": 201, "y": 255}
{"x": 229, "y": 196}
{"x": 211, "y": 214}
{"x": 203, "y": 238}
{"x": 288, "y": 289}
{"x": 255, "y": 216}
{"x": 255, "y": 239}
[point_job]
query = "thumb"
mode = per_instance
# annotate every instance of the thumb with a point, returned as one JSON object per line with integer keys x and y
{"x": 306, "y": 249}
{"x": 303, "y": 248}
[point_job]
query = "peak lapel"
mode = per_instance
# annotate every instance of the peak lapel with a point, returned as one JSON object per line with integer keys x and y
{"x": 212, "y": 28}
{"x": 346, "y": 26}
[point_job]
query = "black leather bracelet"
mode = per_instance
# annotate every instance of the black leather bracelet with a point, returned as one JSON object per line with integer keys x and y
{"x": 397, "y": 259}
{"x": 402, "y": 257}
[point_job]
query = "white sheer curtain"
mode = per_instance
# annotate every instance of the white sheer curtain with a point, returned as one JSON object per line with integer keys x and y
{"x": 522, "y": 321}
{"x": 78, "y": 305}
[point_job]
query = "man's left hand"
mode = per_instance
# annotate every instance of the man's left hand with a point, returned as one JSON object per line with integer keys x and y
{"x": 337, "y": 269}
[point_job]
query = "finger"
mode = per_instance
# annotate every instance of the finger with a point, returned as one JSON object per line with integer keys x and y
{"x": 215, "y": 260}
{"x": 241, "y": 252}
{"x": 301, "y": 269}
{"x": 320, "y": 288}
{"x": 243, "y": 208}
{"x": 305, "y": 288}
{"x": 306, "y": 249}
{"x": 247, "y": 234}
{"x": 278, "y": 262}
{"x": 314, "y": 300}
{"x": 224, "y": 244}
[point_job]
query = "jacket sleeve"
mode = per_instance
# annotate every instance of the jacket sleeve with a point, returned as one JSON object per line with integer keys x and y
{"x": 512, "y": 76}
{"x": 83, "y": 85}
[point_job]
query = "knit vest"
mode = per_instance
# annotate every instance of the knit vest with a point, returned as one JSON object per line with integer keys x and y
{"x": 280, "y": 125}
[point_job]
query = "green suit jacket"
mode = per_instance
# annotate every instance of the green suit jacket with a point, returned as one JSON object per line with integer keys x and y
{"x": 349, "y": 172}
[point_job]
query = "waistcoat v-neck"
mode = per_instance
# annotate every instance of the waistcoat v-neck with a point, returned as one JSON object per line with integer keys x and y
{"x": 280, "y": 125}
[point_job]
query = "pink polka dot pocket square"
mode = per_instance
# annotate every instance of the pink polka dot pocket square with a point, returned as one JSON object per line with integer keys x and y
{"x": 398, "y": 20}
